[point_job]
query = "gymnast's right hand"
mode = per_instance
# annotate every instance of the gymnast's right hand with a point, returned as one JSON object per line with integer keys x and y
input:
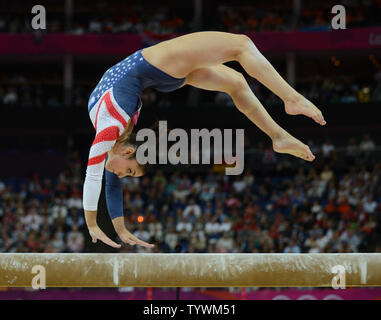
{"x": 125, "y": 235}
{"x": 94, "y": 230}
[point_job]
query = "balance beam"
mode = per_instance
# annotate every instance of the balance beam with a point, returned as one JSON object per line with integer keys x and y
{"x": 190, "y": 270}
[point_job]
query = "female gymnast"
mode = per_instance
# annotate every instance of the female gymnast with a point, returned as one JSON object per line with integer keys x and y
{"x": 195, "y": 59}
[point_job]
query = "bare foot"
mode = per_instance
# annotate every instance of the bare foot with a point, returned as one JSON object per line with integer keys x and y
{"x": 288, "y": 144}
{"x": 300, "y": 105}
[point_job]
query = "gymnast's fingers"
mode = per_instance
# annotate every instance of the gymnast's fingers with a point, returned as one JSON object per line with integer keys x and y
{"x": 93, "y": 237}
{"x": 142, "y": 243}
{"x": 130, "y": 242}
{"x": 125, "y": 236}
{"x": 98, "y": 234}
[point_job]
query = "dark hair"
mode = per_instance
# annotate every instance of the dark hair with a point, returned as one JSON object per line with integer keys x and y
{"x": 128, "y": 138}
{"x": 131, "y": 141}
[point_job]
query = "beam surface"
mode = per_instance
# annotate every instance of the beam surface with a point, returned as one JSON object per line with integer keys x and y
{"x": 190, "y": 270}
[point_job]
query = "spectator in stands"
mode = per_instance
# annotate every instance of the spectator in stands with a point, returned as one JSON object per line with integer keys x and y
{"x": 75, "y": 218}
{"x": 369, "y": 204}
{"x": 198, "y": 241}
{"x": 171, "y": 238}
{"x": 10, "y": 97}
{"x": 58, "y": 242}
{"x": 367, "y": 144}
{"x": 95, "y": 25}
{"x": 75, "y": 241}
{"x": 327, "y": 149}
{"x": 78, "y": 30}
{"x": 59, "y": 210}
{"x": 213, "y": 229}
{"x": 348, "y": 97}
{"x": 224, "y": 244}
{"x": 32, "y": 221}
{"x": 75, "y": 200}
{"x": 327, "y": 174}
{"x": 192, "y": 211}
{"x": 292, "y": 248}
{"x": 184, "y": 226}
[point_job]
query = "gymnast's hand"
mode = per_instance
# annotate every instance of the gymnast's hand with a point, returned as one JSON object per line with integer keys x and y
{"x": 94, "y": 230}
{"x": 125, "y": 235}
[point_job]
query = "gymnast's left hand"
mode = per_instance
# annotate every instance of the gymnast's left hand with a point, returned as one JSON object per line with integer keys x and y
{"x": 96, "y": 232}
{"x": 126, "y": 236}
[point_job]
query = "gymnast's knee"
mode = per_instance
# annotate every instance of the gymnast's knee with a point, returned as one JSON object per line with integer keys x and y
{"x": 244, "y": 43}
{"x": 237, "y": 84}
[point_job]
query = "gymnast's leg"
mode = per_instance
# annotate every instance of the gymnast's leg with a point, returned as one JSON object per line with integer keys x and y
{"x": 256, "y": 65}
{"x": 182, "y": 55}
{"x": 225, "y": 79}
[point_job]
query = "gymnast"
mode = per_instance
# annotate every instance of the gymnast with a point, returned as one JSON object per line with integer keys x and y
{"x": 196, "y": 59}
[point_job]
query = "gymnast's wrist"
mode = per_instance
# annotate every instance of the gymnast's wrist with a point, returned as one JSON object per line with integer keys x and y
{"x": 91, "y": 218}
{"x": 119, "y": 224}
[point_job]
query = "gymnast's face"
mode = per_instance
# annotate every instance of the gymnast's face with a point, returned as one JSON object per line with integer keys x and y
{"x": 122, "y": 162}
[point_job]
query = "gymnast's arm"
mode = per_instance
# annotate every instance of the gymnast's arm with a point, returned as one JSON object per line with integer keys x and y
{"x": 114, "y": 201}
{"x": 91, "y": 191}
{"x": 105, "y": 139}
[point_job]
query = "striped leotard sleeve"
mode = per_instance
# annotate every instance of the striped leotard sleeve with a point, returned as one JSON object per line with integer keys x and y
{"x": 109, "y": 121}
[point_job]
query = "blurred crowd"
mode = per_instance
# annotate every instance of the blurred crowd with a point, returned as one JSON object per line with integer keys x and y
{"x": 17, "y": 90}
{"x": 316, "y": 209}
{"x": 281, "y": 16}
{"x": 264, "y": 16}
{"x": 27, "y": 90}
{"x": 101, "y": 17}
{"x": 243, "y": 16}
{"x": 43, "y": 214}
{"x": 342, "y": 89}
{"x": 138, "y": 19}
{"x": 315, "y": 16}
{"x": 331, "y": 90}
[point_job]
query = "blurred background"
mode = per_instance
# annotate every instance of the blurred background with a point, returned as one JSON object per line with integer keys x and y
{"x": 280, "y": 204}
